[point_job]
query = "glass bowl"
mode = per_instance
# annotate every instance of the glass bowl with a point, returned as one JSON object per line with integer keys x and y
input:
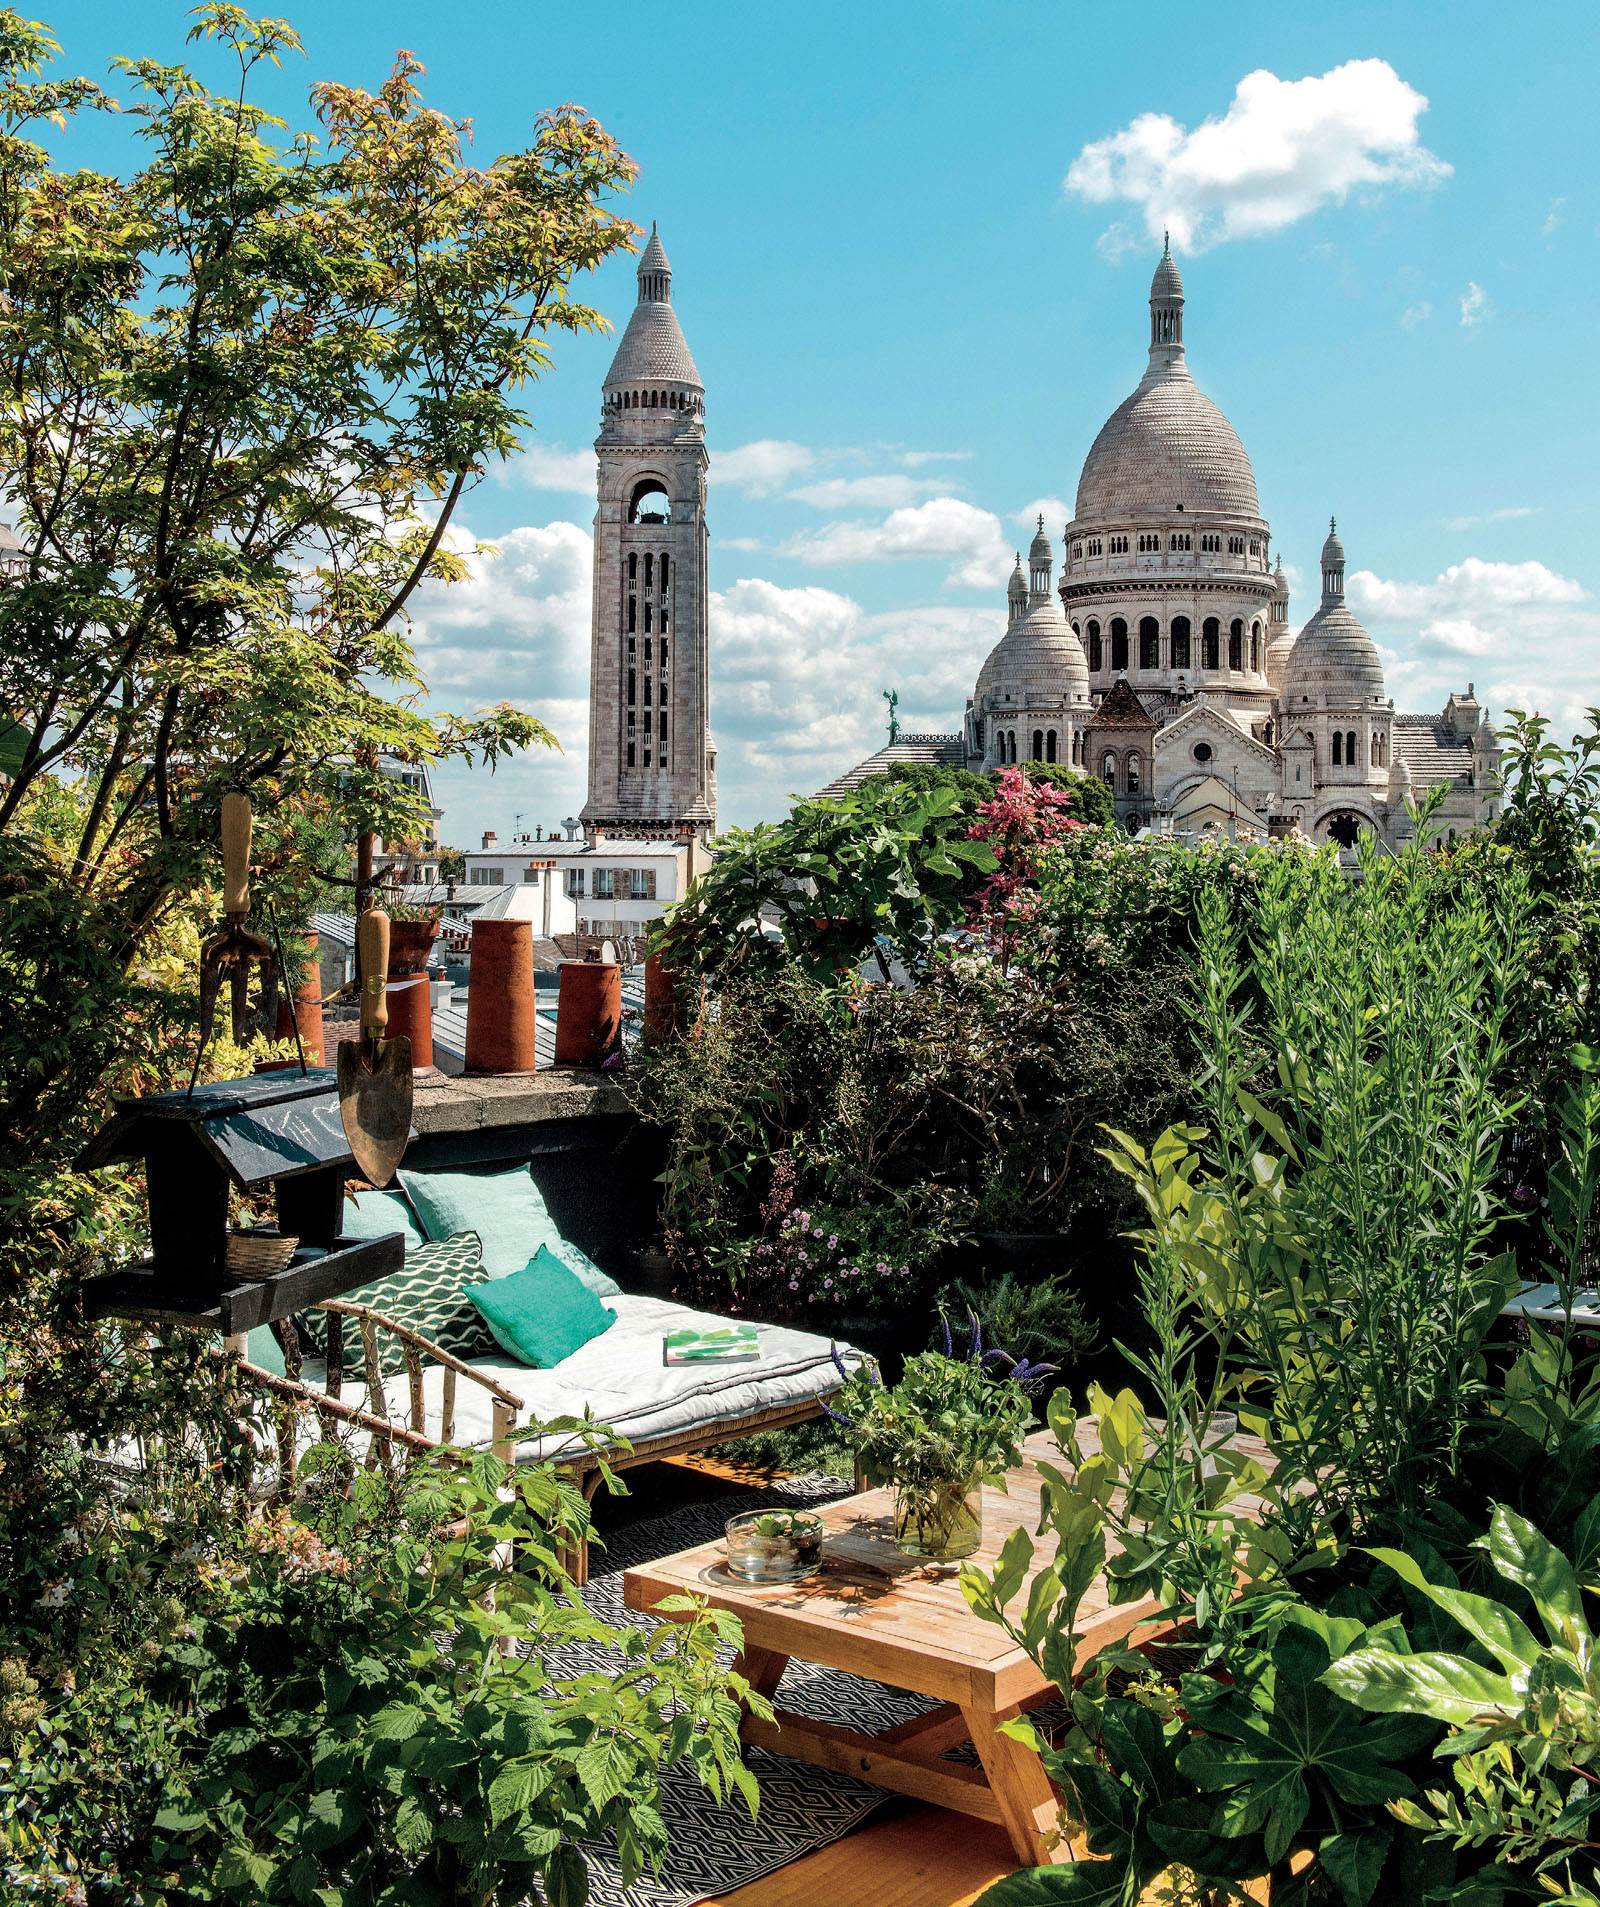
{"x": 774, "y": 1546}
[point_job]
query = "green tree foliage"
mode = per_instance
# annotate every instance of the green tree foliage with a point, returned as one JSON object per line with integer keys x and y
{"x": 247, "y": 386}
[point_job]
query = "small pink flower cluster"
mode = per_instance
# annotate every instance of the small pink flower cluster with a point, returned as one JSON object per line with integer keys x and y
{"x": 811, "y": 1263}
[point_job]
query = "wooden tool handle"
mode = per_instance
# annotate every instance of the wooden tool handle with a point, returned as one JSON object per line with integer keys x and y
{"x": 372, "y": 931}
{"x": 236, "y": 854}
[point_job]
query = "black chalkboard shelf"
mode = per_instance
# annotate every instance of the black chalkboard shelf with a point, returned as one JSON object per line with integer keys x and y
{"x": 279, "y": 1129}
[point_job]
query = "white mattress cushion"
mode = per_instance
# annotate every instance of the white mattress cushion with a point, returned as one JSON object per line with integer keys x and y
{"x": 621, "y": 1377}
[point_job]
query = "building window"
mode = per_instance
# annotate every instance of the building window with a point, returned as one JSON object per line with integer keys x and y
{"x": 487, "y": 877}
{"x": 1149, "y": 543}
{"x": 641, "y": 884}
{"x": 663, "y": 574}
{"x": 631, "y": 761}
{"x": 633, "y": 647}
{"x": 1119, "y": 644}
{"x": 1096, "y": 659}
{"x": 633, "y": 614}
{"x": 1338, "y": 749}
{"x": 1108, "y": 771}
{"x": 1094, "y": 546}
{"x": 1180, "y": 540}
{"x": 632, "y": 684}
{"x": 1077, "y": 551}
{"x": 1211, "y": 544}
{"x": 1236, "y": 546}
{"x": 605, "y": 883}
{"x": 1149, "y": 643}
{"x": 1201, "y": 751}
{"x": 1255, "y": 648}
{"x": 1255, "y": 547}
{"x": 1133, "y": 774}
{"x": 1209, "y": 632}
{"x": 575, "y": 883}
{"x": 663, "y": 647}
{"x": 633, "y": 566}
{"x": 1050, "y": 746}
{"x": 1180, "y": 642}
{"x": 663, "y": 725}
{"x": 1236, "y": 646}
{"x": 1119, "y": 546}
{"x": 1038, "y": 745}
{"x": 1350, "y": 747}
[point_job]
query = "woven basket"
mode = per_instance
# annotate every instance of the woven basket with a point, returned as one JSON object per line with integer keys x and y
{"x": 259, "y": 1254}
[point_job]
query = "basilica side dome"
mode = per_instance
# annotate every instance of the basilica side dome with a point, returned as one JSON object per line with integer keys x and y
{"x": 1333, "y": 660}
{"x": 1038, "y": 662}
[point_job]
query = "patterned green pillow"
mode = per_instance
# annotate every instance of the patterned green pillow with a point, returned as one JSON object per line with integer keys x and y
{"x": 427, "y": 1294}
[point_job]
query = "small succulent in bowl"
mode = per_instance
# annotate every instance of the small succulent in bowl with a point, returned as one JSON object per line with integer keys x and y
{"x": 774, "y": 1546}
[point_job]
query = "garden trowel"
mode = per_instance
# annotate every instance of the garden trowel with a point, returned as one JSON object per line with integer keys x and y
{"x": 375, "y": 1073}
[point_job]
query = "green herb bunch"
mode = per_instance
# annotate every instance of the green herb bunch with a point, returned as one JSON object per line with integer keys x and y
{"x": 949, "y": 1419}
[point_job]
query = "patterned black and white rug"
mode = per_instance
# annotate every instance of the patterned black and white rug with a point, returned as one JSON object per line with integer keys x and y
{"x": 715, "y": 1849}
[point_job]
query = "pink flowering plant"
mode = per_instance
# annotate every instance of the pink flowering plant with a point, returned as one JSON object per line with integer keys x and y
{"x": 1023, "y": 821}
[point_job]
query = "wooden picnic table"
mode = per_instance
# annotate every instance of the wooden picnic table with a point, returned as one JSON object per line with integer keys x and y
{"x": 900, "y": 1620}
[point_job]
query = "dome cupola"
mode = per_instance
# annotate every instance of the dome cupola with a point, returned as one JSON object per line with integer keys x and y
{"x": 1016, "y": 592}
{"x": 1166, "y": 303}
{"x": 1041, "y": 560}
{"x": 1334, "y": 661}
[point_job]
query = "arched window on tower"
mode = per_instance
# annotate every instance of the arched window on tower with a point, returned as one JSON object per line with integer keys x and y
{"x": 1180, "y": 642}
{"x": 1096, "y": 657}
{"x": 1108, "y": 769}
{"x": 1011, "y": 747}
{"x": 1038, "y": 745}
{"x": 1210, "y": 635}
{"x": 1119, "y": 644}
{"x": 1133, "y": 780}
{"x": 1149, "y": 643}
{"x": 1255, "y": 648}
{"x": 633, "y": 614}
{"x": 1050, "y": 745}
{"x": 1350, "y": 747}
{"x": 664, "y": 561}
{"x": 1375, "y": 752}
{"x": 1236, "y": 646}
{"x": 1338, "y": 749}
{"x": 1077, "y": 749}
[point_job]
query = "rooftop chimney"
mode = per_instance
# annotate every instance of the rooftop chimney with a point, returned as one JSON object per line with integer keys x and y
{"x": 490, "y": 839}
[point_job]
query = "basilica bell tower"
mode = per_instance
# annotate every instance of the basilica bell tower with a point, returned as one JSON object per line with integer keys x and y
{"x": 652, "y": 767}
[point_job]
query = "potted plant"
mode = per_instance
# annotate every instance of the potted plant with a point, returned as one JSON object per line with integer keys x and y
{"x": 413, "y": 928}
{"x": 948, "y": 1427}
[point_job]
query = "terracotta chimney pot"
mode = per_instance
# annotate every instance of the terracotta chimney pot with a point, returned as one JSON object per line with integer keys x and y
{"x": 501, "y": 1004}
{"x": 589, "y": 1013}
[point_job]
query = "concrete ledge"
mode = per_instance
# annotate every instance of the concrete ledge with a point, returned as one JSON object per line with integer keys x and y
{"x": 459, "y": 1103}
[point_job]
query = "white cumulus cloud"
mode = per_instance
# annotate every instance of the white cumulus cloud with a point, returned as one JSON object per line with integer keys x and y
{"x": 1282, "y": 149}
{"x": 868, "y": 493}
{"x": 970, "y": 539}
{"x": 1474, "y": 305}
{"x": 1529, "y": 633}
{"x": 551, "y": 467}
{"x": 760, "y": 468}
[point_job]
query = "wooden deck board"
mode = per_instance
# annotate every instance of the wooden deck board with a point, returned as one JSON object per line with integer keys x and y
{"x": 912, "y": 1857}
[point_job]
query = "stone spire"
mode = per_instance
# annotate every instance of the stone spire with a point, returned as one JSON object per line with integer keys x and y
{"x": 1041, "y": 560}
{"x": 1332, "y": 567}
{"x": 1166, "y": 307}
{"x": 1016, "y": 592}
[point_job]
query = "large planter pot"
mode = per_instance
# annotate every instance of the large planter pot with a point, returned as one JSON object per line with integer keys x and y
{"x": 941, "y": 1522}
{"x": 410, "y": 943}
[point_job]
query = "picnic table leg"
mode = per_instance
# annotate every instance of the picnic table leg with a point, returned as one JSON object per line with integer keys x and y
{"x": 1017, "y": 1779}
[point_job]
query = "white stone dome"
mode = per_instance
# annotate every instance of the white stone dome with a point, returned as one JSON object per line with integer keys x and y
{"x": 1039, "y": 656}
{"x": 1334, "y": 659}
{"x": 1167, "y": 444}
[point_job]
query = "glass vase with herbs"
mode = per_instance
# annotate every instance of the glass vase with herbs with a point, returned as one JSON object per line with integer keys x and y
{"x": 952, "y": 1424}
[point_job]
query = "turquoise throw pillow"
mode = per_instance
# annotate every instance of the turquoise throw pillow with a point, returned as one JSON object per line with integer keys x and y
{"x": 262, "y": 1349}
{"x": 507, "y": 1211}
{"x": 376, "y": 1214}
{"x": 543, "y": 1313}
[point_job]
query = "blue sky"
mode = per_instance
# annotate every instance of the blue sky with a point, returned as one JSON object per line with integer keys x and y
{"x": 911, "y": 250}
